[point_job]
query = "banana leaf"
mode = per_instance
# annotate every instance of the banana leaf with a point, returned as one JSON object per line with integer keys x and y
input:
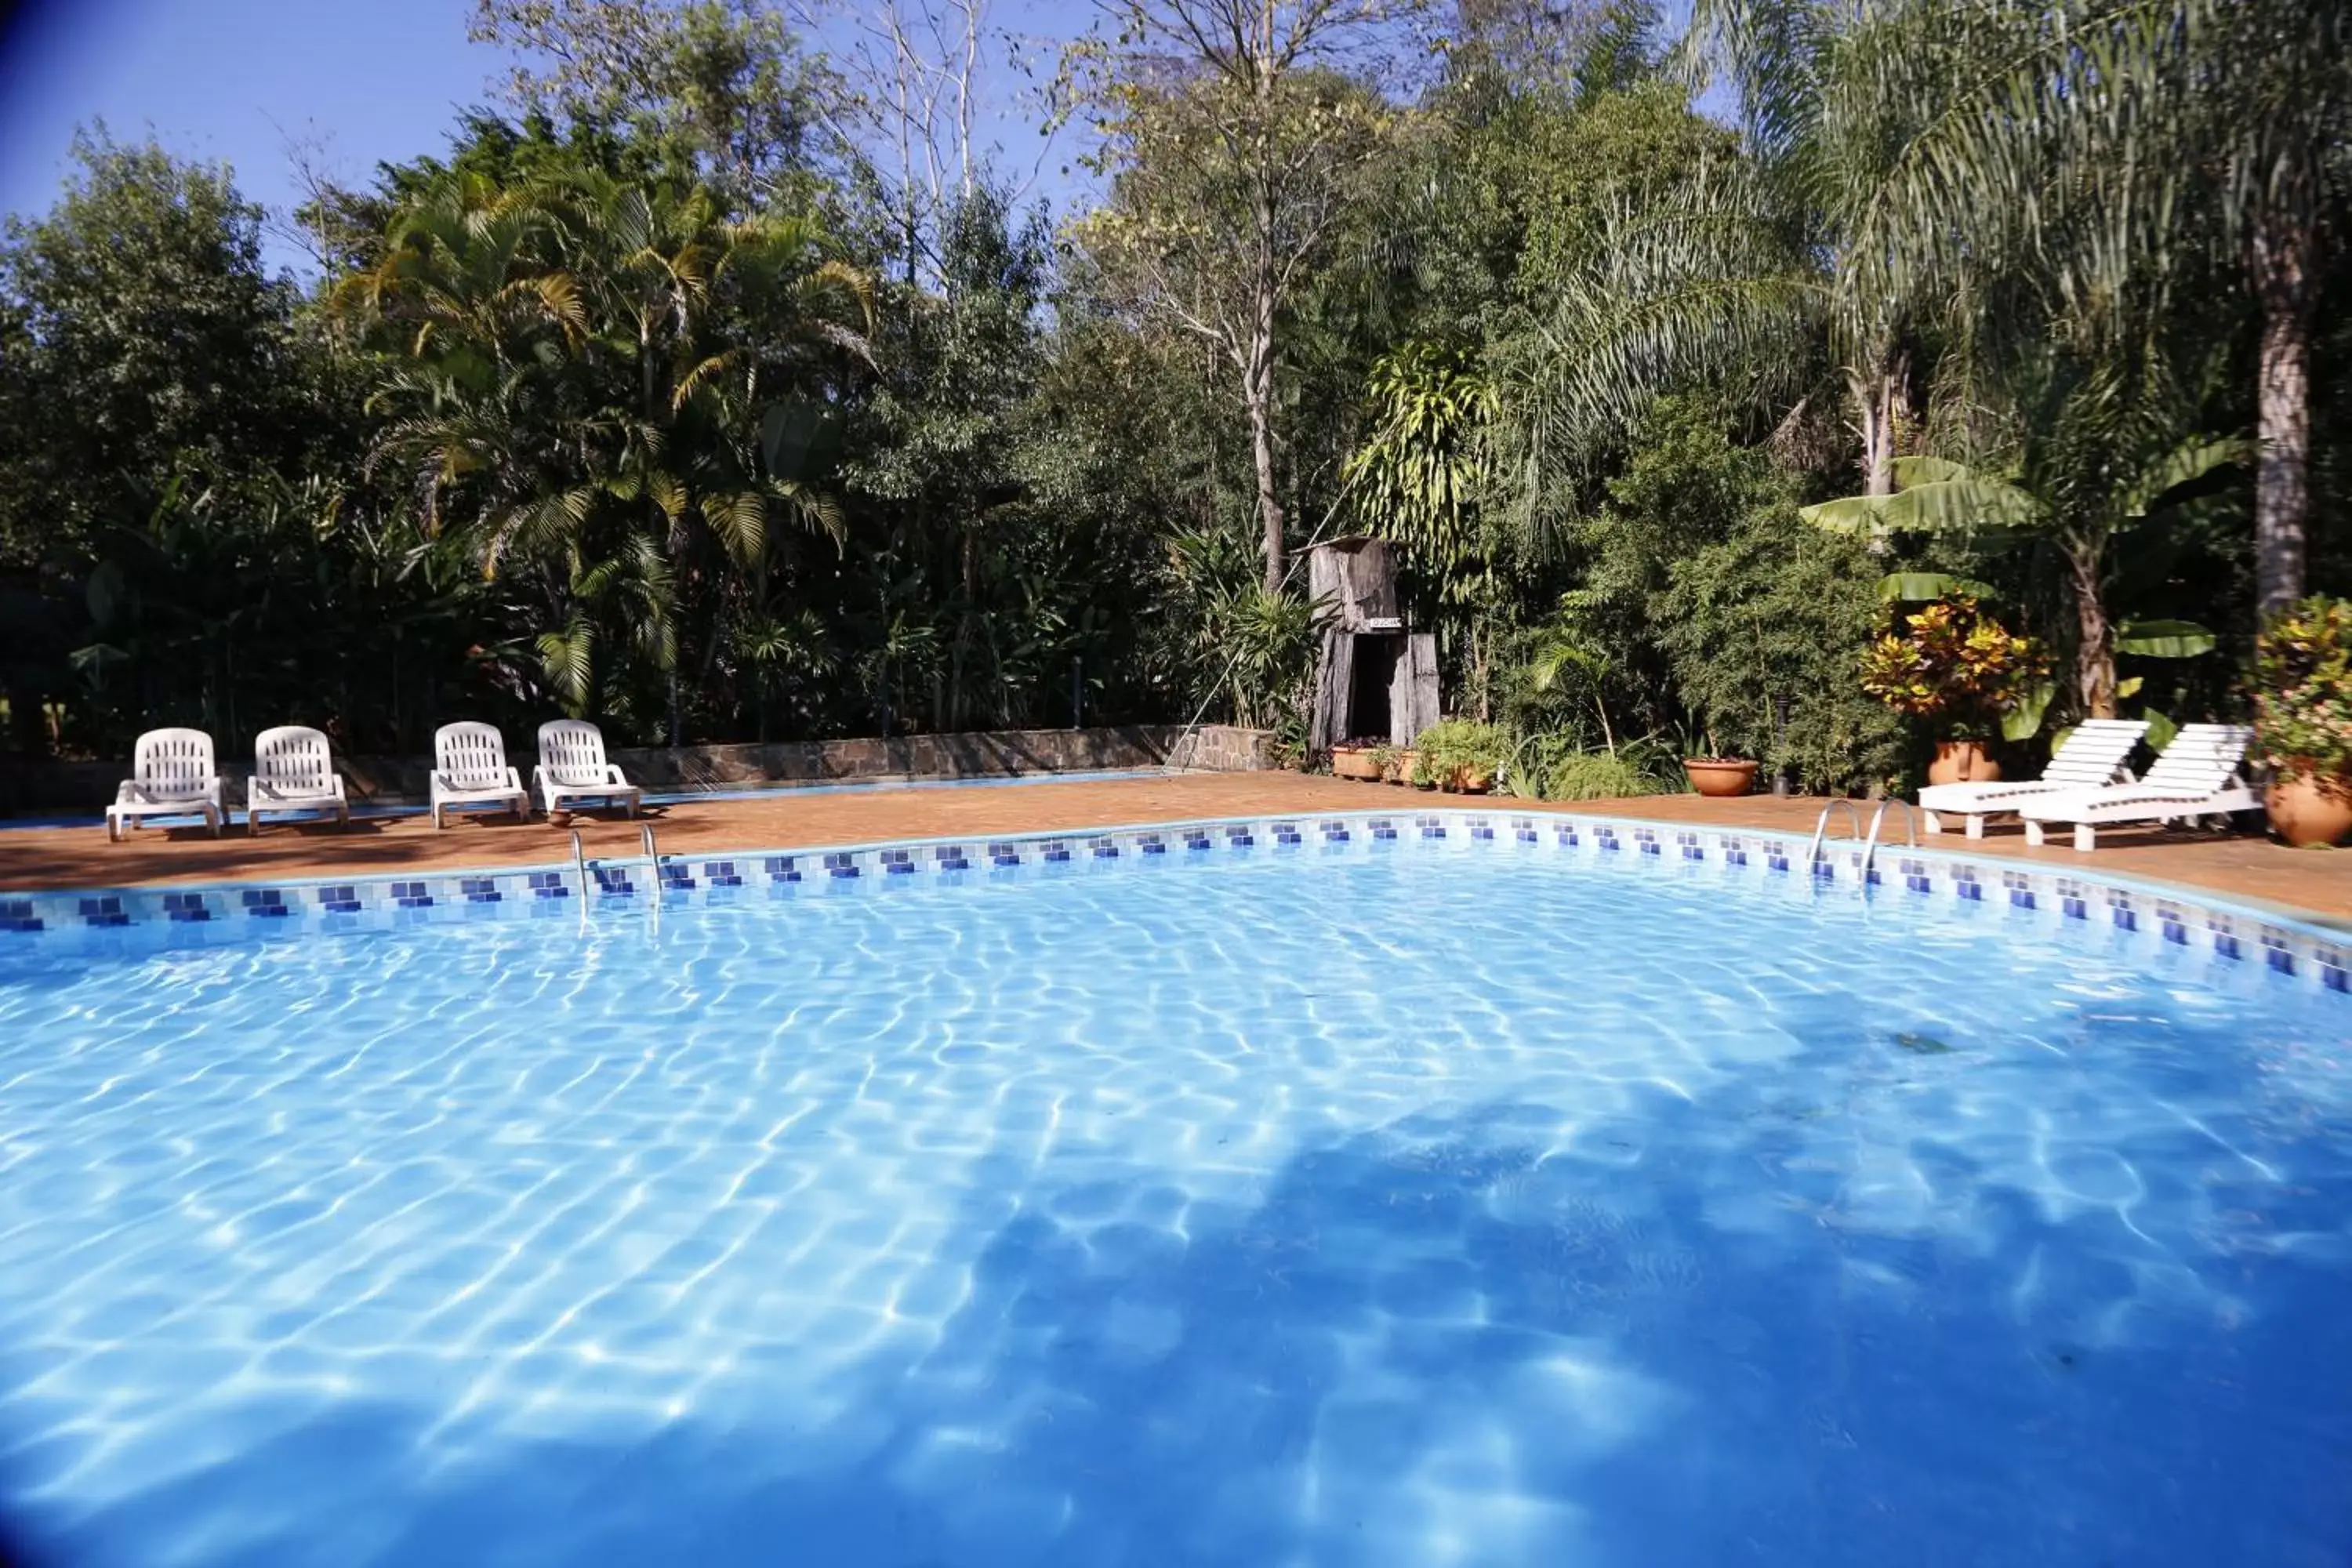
{"x": 2164, "y": 639}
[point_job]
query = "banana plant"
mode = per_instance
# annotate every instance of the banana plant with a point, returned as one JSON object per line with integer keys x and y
{"x": 2084, "y": 524}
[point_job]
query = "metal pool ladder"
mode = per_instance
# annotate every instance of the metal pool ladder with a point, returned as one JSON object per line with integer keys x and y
{"x": 653, "y": 860}
{"x": 1869, "y": 838}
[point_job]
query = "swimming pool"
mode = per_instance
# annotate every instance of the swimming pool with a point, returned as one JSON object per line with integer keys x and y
{"x": 1379, "y": 1203}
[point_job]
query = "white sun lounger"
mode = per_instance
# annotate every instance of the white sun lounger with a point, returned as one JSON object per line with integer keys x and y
{"x": 572, "y": 767}
{"x": 470, "y": 773}
{"x": 2094, "y": 755}
{"x": 172, "y": 775}
{"x": 293, "y": 772}
{"x": 2196, "y": 775}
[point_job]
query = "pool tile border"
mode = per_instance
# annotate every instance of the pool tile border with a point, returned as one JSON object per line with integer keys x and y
{"x": 2166, "y": 916}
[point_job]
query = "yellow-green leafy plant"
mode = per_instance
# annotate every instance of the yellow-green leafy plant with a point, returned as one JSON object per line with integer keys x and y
{"x": 2303, "y": 701}
{"x": 1951, "y": 664}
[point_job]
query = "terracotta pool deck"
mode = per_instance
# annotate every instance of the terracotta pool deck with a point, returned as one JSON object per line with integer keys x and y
{"x": 2314, "y": 883}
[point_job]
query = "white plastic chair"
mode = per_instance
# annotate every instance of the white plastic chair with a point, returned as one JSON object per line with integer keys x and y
{"x": 172, "y": 775}
{"x": 2196, "y": 775}
{"x": 572, "y": 767}
{"x": 470, "y": 773}
{"x": 293, "y": 772}
{"x": 2093, "y": 755}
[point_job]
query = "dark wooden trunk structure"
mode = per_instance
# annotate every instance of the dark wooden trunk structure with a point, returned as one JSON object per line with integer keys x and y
{"x": 1376, "y": 678}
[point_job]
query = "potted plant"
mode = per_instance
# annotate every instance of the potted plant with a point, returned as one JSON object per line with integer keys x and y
{"x": 1356, "y": 759}
{"x": 1460, "y": 754}
{"x": 1720, "y": 777}
{"x": 1956, "y": 666}
{"x": 1394, "y": 763}
{"x": 2303, "y": 715}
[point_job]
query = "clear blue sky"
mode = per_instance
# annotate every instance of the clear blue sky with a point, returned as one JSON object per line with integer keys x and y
{"x": 233, "y": 80}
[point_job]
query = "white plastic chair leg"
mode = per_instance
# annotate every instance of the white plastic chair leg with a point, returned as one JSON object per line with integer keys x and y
{"x": 1976, "y": 825}
{"x": 2034, "y": 834}
{"x": 1935, "y": 823}
{"x": 2086, "y": 837}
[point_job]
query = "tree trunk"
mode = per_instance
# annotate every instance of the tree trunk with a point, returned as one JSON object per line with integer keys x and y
{"x": 2095, "y": 647}
{"x": 2282, "y": 263}
{"x": 1257, "y": 388}
{"x": 1881, "y": 400}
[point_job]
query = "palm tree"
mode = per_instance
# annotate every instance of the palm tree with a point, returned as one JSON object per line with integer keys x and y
{"x": 571, "y": 379}
{"x": 2202, "y": 129}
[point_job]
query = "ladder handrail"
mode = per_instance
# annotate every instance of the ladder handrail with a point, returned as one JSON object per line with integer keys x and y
{"x": 580, "y": 866}
{"x": 1878, "y": 817}
{"x": 1821, "y": 827}
{"x": 653, "y": 859}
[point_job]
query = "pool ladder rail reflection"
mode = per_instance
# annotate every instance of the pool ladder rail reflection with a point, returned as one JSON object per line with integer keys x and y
{"x": 652, "y": 865}
{"x": 1813, "y": 863}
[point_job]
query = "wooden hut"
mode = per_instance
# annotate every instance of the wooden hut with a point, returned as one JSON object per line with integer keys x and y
{"x": 1376, "y": 678}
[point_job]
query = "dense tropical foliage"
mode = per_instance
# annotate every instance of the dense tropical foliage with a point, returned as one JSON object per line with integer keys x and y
{"x": 692, "y": 389}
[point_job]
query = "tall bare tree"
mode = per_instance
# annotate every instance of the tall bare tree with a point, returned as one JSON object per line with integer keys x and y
{"x": 1235, "y": 135}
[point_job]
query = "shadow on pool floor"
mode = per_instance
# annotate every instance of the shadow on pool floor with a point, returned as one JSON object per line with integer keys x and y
{"x": 1429, "y": 1344}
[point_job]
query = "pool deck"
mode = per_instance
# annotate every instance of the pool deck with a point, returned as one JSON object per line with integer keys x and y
{"x": 2314, "y": 883}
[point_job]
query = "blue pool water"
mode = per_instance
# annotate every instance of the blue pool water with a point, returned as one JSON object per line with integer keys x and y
{"x": 1407, "y": 1208}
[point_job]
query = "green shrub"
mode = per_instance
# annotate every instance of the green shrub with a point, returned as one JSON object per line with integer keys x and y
{"x": 1456, "y": 746}
{"x": 1555, "y": 766}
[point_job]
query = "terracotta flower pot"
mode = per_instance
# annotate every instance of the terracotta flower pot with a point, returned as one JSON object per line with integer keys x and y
{"x": 1962, "y": 761}
{"x": 1400, "y": 767}
{"x": 2309, "y": 808}
{"x": 1721, "y": 776}
{"x": 1354, "y": 762}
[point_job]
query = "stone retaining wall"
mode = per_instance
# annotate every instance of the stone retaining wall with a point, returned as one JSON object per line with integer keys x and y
{"x": 32, "y": 787}
{"x": 1224, "y": 749}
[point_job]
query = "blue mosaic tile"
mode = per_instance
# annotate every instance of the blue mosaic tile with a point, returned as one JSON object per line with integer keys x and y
{"x": 2074, "y": 908}
{"x": 1195, "y": 838}
{"x": 411, "y": 895}
{"x": 478, "y": 889}
{"x": 1481, "y": 829}
{"x": 1239, "y": 837}
{"x": 1690, "y": 846}
{"x": 265, "y": 903}
{"x": 1104, "y": 849}
{"x": 341, "y": 901}
{"x": 1286, "y": 835}
{"x": 106, "y": 910}
{"x": 840, "y": 863}
{"x": 1335, "y": 833}
{"x": 950, "y": 857}
{"x": 185, "y": 907}
{"x": 2225, "y": 938}
{"x": 548, "y": 885}
{"x": 1056, "y": 852}
{"x": 612, "y": 881}
{"x": 1001, "y": 855}
{"x": 2276, "y": 954}
{"x": 1645, "y": 840}
{"x": 17, "y": 915}
{"x": 1383, "y": 830}
{"x": 676, "y": 876}
{"x": 721, "y": 874}
{"x": 1431, "y": 827}
{"x": 1567, "y": 837}
{"x": 1606, "y": 837}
